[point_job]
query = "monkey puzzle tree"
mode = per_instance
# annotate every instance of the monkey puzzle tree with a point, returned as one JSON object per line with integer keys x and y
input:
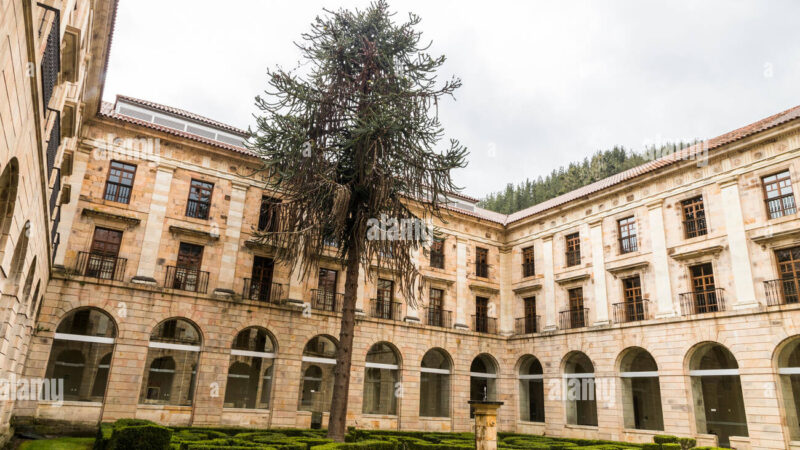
{"x": 350, "y": 142}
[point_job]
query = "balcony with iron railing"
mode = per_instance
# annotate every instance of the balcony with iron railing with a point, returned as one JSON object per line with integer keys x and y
{"x": 483, "y": 324}
{"x": 701, "y": 302}
{"x": 263, "y": 291}
{"x": 526, "y": 325}
{"x": 186, "y": 279}
{"x": 631, "y": 311}
{"x": 103, "y": 267}
{"x": 56, "y": 223}
{"x": 695, "y": 227}
{"x": 56, "y": 190}
{"x": 573, "y": 318}
{"x": 53, "y": 143}
{"x": 781, "y": 205}
{"x": 783, "y": 291}
{"x": 385, "y": 309}
{"x": 325, "y": 300}
{"x": 528, "y": 269}
{"x": 51, "y": 59}
{"x": 437, "y": 317}
{"x": 628, "y": 244}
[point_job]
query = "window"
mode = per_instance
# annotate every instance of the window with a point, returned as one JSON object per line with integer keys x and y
{"x": 694, "y": 217}
{"x": 81, "y": 354}
{"x": 325, "y": 297}
{"x": 531, "y": 390}
{"x": 483, "y": 378}
{"x": 573, "y": 245}
{"x": 778, "y": 194}
{"x": 481, "y": 317}
{"x": 384, "y": 306}
{"x": 186, "y": 274}
{"x": 633, "y": 308}
{"x": 528, "y": 268}
{"x": 261, "y": 287}
{"x": 789, "y": 274}
{"x": 171, "y": 366}
{"x": 250, "y": 373}
{"x": 530, "y": 324}
{"x": 719, "y": 406}
{"x": 641, "y": 391}
{"x": 789, "y": 374}
{"x": 627, "y": 235}
{"x": 434, "y": 395}
{"x": 102, "y": 259}
{"x": 437, "y": 253}
{"x": 319, "y": 360}
{"x": 704, "y": 296}
{"x": 581, "y": 403}
{"x": 482, "y": 262}
{"x": 435, "y": 313}
{"x": 268, "y": 214}
{"x": 199, "y": 203}
{"x": 575, "y": 316}
{"x": 120, "y": 182}
{"x": 381, "y": 380}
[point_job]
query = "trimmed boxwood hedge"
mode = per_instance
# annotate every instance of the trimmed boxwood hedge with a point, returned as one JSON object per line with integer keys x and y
{"x": 132, "y": 434}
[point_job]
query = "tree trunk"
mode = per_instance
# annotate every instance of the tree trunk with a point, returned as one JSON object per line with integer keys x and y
{"x": 344, "y": 353}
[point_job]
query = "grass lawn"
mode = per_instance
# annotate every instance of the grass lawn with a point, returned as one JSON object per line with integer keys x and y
{"x": 63, "y": 443}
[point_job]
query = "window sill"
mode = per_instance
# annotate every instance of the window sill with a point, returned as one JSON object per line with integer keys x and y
{"x": 439, "y": 418}
{"x": 582, "y": 427}
{"x": 645, "y": 432}
{"x": 379, "y": 416}
{"x": 160, "y": 406}
{"x": 244, "y": 410}
{"x": 69, "y": 403}
{"x": 530, "y": 422}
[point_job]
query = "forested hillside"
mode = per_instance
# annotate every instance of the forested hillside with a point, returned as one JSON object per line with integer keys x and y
{"x": 564, "y": 179}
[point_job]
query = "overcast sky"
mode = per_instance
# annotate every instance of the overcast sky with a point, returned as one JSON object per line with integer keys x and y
{"x": 545, "y": 82}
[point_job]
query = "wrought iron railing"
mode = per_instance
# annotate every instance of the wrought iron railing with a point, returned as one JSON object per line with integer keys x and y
{"x": 632, "y": 311}
{"x": 573, "y": 257}
{"x": 325, "y": 300}
{"x": 482, "y": 270}
{"x": 262, "y": 291}
{"x": 528, "y": 269}
{"x": 695, "y": 227}
{"x": 628, "y": 244}
{"x": 701, "y": 302}
{"x": 186, "y": 279}
{"x": 573, "y": 318}
{"x": 437, "y": 260}
{"x": 51, "y": 60}
{"x": 526, "y": 325}
{"x": 104, "y": 267}
{"x": 53, "y": 143}
{"x": 56, "y": 223}
{"x": 483, "y": 324}
{"x": 197, "y": 209}
{"x": 781, "y": 206}
{"x": 782, "y": 291}
{"x": 384, "y": 309}
{"x": 437, "y": 317}
{"x": 56, "y": 190}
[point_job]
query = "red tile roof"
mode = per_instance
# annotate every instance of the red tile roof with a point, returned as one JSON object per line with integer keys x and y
{"x": 184, "y": 114}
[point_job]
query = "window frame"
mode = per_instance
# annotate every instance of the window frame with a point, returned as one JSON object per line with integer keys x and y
{"x": 528, "y": 262}
{"x": 783, "y": 210}
{"x": 481, "y": 262}
{"x": 196, "y": 187}
{"x": 572, "y": 249}
{"x": 628, "y": 235}
{"x": 693, "y": 210}
{"x": 124, "y": 169}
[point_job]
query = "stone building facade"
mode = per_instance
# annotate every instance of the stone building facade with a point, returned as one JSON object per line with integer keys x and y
{"x": 661, "y": 300}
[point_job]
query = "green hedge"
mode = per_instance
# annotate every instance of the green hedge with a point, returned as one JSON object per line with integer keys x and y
{"x": 132, "y": 434}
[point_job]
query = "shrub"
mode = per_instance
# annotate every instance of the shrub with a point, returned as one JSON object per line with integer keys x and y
{"x": 687, "y": 443}
{"x": 665, "y": 439}
{"x": 651, "y": 446}
{"x": 371, "y": 444}
{"x": 140, "y": 437}
{"x": 671, "y": 446}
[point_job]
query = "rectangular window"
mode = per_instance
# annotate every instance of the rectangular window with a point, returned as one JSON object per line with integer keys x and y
{"x": 577, "y": 317}
{"x": 437, "y": 253}
{"x": 778, "y": 194}
{"x": 102, "y": 261}
{"x": 435, "y": 313}
{"x": 384, "y": 306}
{"x": 528, "y": 268}
{"x": 704, "y": 291}
{"x": 385, "y": 290}
{"x": 573, "y": 245}
{"x": 261, "y": 281}
{"x": 627, "y": 235}
{"x": 789, "y": 272}
{"x": 632, "y": 294}
{"x": 481, "y": 262}
{"x": 694, "y": 217}
{"x": 482, "y": 314}
{"x": 120, "y": 182}
{"x": 186, "y": 274}
{"x": 268, "y": 214}
{"x": 326, "y": 297}
{"x": 190, "y": 256}
{"x": 199, "y": 203}
{"x": 530, "y": 324}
